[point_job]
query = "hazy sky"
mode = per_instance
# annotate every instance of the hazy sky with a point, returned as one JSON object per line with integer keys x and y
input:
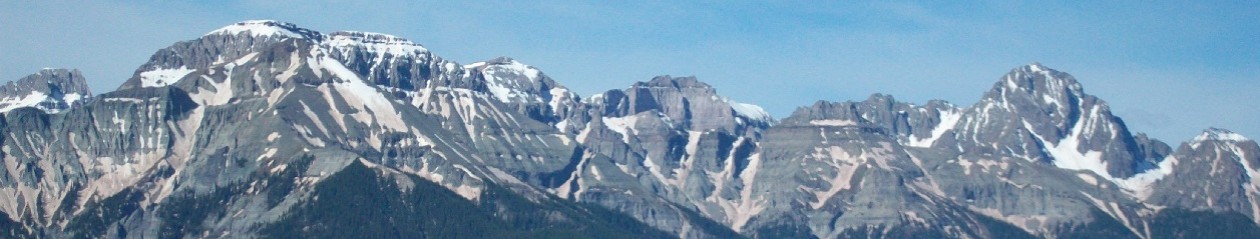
{"x": 1169, "y": 69}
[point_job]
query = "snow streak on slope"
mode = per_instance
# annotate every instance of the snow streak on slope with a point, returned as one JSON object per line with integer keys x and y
{"x": 32, "y": 99}
{"x": 949, "y": 118}
{"x": 370, "y": 105}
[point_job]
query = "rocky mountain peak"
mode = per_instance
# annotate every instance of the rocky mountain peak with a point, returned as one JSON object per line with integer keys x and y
{"x": 504, "y": 63}
{"x": 502, "y": 60}
{"x": 504, "y": 76}
{"x": 50, "y": 89}
{"x": 524, "y": 88}
{"x": 695, "y": 104}
{"x": 674, "y": 82}
{"x": 1039, "y": 85}
{"x": 879, "y": 98}
{"x": 1048, "y": 114}
{"x": 1049, "y": 101}
{"x": 48, "y": 80}
{"x": 826, "y": 113}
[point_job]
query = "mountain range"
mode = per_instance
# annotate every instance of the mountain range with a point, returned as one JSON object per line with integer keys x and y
{"x": 266, "y": 129}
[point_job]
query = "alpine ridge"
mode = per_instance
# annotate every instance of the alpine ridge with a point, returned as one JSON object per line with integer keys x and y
{"x": 264, "y": 129}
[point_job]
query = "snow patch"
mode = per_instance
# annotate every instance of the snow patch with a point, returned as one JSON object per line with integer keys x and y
{"x": 271, "y": 152}
{"x": 558, "y": 96}
{"x": 833, "y": 122}
{"x": 32, "y": 99}
{"x": 622, "y": 125}
{"x": 71, "y": 98}
{"x": 750, "y": 111}
{"x": 162, "y": 77}
{"x": 1065, "y": 152}
{"x": 1090, "y": 179}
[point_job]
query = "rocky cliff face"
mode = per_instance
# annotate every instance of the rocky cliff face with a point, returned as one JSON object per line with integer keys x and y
{"x": 260, "y": 126}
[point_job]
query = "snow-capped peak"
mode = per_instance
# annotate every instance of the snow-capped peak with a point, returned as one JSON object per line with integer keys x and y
{"x": 506, "y": 78}
{"x": 1215, "y": 134}
{"x": 507, "y": 63}
{"x": 263, "y": 28}
{"x": 375, "y": 42}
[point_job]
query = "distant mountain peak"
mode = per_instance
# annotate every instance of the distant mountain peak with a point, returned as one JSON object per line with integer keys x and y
{"x": 675, "y": 82}
{"x": 50, "y": 89}
{"x": 1039, "y": 78}
{"x": 504, "y": 75}
{"x": 263, "y": 28}
{"x": 504, "y": 61}
{"x": 1217, "y": 134}
{"x": 1038, "y": 89}
{"x": 68, "y": 80}
{"x": 1035, "y": 64}
{"x": 1050, "y": 117}
{"x": 827, "y": 113}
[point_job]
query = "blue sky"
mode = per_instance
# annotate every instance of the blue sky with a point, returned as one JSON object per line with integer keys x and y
{"x": 1170, "y": 69}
